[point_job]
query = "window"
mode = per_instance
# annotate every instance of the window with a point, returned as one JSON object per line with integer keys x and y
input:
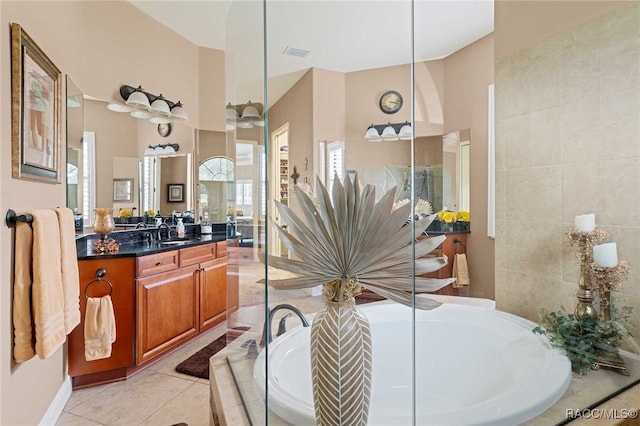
{"x": 244, "y": 190}
{"x": 149, "y": 179}
{"x": 335, "y": 161}
{"x": 216, "y": 169}
{"x": 263, "y": 183}
{"x": 89, "y": 176}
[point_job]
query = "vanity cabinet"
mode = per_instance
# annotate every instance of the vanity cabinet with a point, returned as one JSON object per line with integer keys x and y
{"x": 160, "y": 301}
{"x": 448, "y": 248}
{"x": 176, "y": 305}
{"x": 213, "y": 293}
{"x": 120, "y": 273}
{"x": 167, "y": 310}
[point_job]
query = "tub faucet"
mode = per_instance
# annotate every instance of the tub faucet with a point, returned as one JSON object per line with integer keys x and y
{"x": 281, "y": 327}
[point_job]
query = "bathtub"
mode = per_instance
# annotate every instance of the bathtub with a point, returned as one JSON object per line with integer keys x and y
{"x": 473, "y": 366}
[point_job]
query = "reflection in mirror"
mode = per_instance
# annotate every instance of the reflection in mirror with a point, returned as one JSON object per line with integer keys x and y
{"x": 112, "y": 148}
{"x": 75, "y": 120}
{"x": 215, "y": 187}
{"x": 455, "y": 171}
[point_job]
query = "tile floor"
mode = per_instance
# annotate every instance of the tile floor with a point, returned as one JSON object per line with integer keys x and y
{"x": 159, "y": 395}
{"x": 155, "y": 396}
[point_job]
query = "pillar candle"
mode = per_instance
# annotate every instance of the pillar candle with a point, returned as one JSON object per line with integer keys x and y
{"x": 585, "y": 222}
{"x": 605, "y": 255}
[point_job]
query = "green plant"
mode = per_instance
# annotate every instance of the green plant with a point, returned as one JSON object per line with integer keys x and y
{"x": 583, "y": 338}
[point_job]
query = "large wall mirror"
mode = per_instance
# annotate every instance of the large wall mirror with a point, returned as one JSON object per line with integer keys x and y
{"x": 106, "y": 147}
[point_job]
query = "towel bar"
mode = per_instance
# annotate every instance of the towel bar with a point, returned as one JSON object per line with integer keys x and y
{"x": 100, "y": 273}
{"x": 11, "y": 218}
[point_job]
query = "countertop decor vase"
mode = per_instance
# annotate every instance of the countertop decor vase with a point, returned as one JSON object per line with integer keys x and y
{"x": 103, "y": 222}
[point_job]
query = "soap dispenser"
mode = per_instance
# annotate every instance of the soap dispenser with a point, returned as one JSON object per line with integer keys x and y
{"x": 180, "y": 228}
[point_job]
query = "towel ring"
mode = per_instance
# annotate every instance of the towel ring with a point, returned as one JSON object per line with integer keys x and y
{"x": 100, "y": 273}
{"x": 459, "y": 243}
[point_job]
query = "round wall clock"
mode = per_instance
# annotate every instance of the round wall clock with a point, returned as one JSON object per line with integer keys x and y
{"x": 164, "y": 129}
{"x": 390, "y": 102}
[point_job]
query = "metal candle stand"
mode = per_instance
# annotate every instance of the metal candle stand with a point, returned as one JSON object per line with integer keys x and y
{"x": 606, "y": 279}
{"x": 586, "y": 240}
{"x": 591, "y": 283}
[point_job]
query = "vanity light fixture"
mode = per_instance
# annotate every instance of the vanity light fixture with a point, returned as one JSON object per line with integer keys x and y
{"x": 144, "y": 105}
{"x": 163, "y": 150}
{"x": 389, "y": 132}
{"x": 244, "y": 116}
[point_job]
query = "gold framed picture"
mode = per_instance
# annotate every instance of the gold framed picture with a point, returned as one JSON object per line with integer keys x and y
{"x": 36, "y": 104}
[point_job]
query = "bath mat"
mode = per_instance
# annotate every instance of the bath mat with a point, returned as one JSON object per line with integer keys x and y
{"x": 197, "y": 365}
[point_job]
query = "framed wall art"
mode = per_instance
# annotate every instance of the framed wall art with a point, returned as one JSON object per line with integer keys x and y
{"x": 123, "y": 190}
{"x": 36, "y": 104}
{"x": 175, "y": 192}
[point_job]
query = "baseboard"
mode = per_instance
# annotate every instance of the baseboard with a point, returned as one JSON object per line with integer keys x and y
{"x": 57, "y": 405}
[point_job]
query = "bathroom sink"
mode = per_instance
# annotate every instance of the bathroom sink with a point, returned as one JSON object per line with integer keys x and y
{"x": 174, "y": 243}
{"x": 178, "y": 241}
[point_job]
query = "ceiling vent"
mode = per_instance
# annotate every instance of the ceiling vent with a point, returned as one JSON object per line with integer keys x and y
{"x": 296, "y": 52}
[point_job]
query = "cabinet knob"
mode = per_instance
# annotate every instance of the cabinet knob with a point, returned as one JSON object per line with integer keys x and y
{"x": 159, "y": 263}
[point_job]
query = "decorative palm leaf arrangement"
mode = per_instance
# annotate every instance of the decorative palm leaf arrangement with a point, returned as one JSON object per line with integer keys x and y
{"x": 351, "y": 241}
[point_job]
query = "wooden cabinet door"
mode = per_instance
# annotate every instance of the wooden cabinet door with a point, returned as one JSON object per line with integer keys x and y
{"x": 167, "y": 311}
{"x": 213, "y": 292}
{"x": 120, "y": 273}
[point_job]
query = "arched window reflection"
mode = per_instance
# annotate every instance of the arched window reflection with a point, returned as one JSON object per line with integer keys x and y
{"x": 216, "y": 188}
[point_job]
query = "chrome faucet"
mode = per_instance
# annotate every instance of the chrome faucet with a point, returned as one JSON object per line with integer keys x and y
{"x": 160, "y": 227}
{"x": 141, "y": 225}
{"x": 266, "y": 334}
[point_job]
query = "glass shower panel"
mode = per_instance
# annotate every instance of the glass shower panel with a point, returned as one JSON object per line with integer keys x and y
{"x": 245, "y": 196}
{"x": 317, "y": 90}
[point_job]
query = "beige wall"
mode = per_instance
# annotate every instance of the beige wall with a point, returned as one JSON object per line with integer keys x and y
{"x": 468, "y": 74}
{"x": 211, "y": 89}
{"x": 100, "y": 45}
{"x": 127, "y": 168}
{"x": 115, "y": 137}
{"x": 173, "y": 170}
{"x": 329, "y": 114}
{"x": 428, "y": 150}
{"x": 522, "y": 24}
{"x": 296, "y": 108}
{"x": 567, "y": 143}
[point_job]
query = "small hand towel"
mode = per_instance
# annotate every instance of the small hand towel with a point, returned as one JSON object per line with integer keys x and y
{"x": 69, "y": 263}
{"x": 48, "y": 300}
{"x": 460, "y": 270}
{"x": 24, "y": 343}
{"x": 99, "y": 328}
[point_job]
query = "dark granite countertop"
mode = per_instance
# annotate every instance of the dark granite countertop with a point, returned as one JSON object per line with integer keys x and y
{"x": 137, "y": 242}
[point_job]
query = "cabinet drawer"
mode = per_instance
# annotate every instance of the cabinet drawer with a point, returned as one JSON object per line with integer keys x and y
{"x": 222, "y": 249}
{"x": 156, "y": 263}
{"x": 198, "y": 254}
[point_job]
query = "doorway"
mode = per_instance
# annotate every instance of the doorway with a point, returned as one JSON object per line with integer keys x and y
{"x": 279, "y": 178}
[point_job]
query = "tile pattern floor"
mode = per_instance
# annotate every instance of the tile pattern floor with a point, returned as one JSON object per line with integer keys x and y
{"x": 159, "y": 395}
{"x": 155, "y": 396}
